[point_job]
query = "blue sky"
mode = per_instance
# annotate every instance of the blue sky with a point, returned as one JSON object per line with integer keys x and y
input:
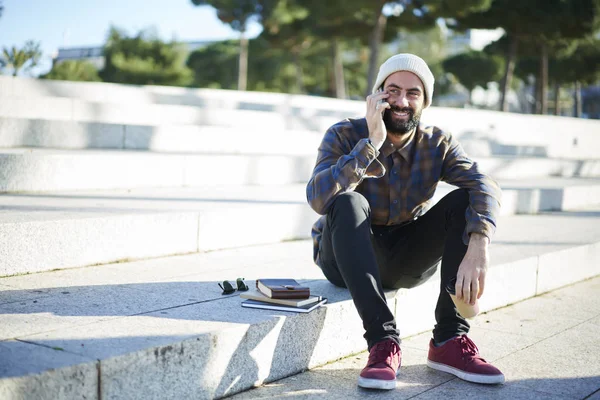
{"x": 81, "y": 23}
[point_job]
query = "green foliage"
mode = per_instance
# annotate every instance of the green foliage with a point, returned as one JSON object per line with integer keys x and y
{"x": 21, "y": 59}
{"x": 544, "y": 19}
{"x": 274, "y": 69}
{"x": 236, "y": 13}
{"x": 579, "y": 65}
{"x": 73, "y": 70}
{"x": 215, "y": 66}
{"x": 417, "y": 15}
{"x": 475, "y": 68}
{"x": 428, "y": 44}
{"x": 144, "y": 60}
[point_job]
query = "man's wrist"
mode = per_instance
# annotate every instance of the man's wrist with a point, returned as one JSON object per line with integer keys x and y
{"x": 478, "y": 239}
{"x": 376, "y": 144}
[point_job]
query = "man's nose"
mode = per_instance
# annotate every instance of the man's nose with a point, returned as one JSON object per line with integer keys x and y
{"x": 402, "y": 101}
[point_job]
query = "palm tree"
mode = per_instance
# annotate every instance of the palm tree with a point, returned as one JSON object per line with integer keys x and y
{"x": 21, "y": 59}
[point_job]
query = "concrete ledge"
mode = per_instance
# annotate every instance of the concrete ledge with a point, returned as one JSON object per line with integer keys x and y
{"x": 86, "y": 238}
{"x": 46, "y": 170}
{"x": 230, "y": 115}
{"x": 163, "y": 325}
{"x": 507, "y": 167}
{"x": 258, "y": 139}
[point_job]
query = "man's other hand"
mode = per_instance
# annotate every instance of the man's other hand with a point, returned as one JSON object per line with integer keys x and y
{"x": 470, "y": 279}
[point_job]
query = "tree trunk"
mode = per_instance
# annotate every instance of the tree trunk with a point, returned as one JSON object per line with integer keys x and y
{"x": 556, "y": 99}
{"x": 338, "y": 70}
{"x": 299, "y": 73}
{"x": 243, "y": 62}
{"x": 374, "y": 45}
{"x": 578, "y": 106}
{"x": 511, "y": 58}
{"x": 543, "y": 75}
{"x": 538, "y": 94}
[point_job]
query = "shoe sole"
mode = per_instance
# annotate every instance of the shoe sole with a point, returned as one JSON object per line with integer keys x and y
{"x": 368, "y": 383}
{"x": 466, "y": 376}
{"x": 382, "y": 384}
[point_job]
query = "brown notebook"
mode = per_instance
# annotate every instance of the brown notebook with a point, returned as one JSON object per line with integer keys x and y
{"x": 282, "y": 289}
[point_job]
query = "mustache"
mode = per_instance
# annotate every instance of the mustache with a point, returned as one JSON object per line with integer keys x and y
{"x": 403, "y": 109}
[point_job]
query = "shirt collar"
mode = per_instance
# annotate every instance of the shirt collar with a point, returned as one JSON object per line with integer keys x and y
{"x": 406, "y": 151}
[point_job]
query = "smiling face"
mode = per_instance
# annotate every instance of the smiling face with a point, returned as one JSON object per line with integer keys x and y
{"x": 406, "y": 100}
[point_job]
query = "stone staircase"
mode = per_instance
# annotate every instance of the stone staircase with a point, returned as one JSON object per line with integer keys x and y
{"x": 121, "y": 207}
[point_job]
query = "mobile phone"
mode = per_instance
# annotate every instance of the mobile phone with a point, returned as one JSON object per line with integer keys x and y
{"x": 380, "y": 101}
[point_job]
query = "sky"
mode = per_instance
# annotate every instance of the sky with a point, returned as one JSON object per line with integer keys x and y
{"x": 85, "y": 23}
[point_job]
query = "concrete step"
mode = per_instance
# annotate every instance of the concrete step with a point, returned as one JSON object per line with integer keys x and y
{"x": 68, "y": 229}
{"x": 45, "y": 231}
{"x": 486, "y": 133}
{"x": 28, "y": 169}
{"x": 160, "y": 328}
{"x": 33, "y": 113}
{"x": 127, "y": 95}
{"x": 208, "y": 139}
{"x": 37, "y": 169}
{"x": 518, "y": 167}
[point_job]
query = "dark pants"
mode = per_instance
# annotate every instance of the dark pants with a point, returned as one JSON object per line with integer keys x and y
{"x": 366, "y": 259}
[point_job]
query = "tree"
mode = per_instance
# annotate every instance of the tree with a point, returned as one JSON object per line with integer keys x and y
{"x": 287, "y": 27}
{"x": 297, "y": 25}
{"x": 214, "y": 66}
{"x": 144, "y": 60}
{"x": 21, "y": 59}
{"x": 270, "y": 68}
{"x": 474, "y": 68}
{"x": 574, "y": 63}
{"x": 72, "y": 70}
{"x": 1, "y": 7}
{"x": 412, "y": 15}
{"x": 237, "y": 13}
{"x": 539, "y": 22}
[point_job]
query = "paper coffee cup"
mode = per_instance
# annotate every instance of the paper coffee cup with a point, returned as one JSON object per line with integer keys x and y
{"x": 465, "y": 309}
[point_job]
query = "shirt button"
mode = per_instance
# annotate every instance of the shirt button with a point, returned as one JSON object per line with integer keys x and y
{"x": 395, "y": 172}
{"x": 395, "y": 201}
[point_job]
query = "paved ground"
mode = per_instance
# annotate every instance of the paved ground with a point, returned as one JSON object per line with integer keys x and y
{"x": 547, "y": 347}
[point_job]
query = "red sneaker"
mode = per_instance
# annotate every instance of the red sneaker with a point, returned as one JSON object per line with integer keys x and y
{"x": 460, "y": 357}
{"x": 383, "y": 366}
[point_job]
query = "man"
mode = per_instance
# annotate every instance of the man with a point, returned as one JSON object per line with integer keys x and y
{"x": 373, "y": 182}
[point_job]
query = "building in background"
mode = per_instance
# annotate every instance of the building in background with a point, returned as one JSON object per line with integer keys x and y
{"x": 95, "y": 55}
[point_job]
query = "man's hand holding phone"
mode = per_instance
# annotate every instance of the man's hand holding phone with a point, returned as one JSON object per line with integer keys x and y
{"x": 376, "y": 105}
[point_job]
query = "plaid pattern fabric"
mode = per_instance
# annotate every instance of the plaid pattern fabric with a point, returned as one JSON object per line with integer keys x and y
{"x": 398, "y": 184}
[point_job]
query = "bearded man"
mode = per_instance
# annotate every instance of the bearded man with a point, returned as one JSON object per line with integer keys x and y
{"x": 373, "y": 183}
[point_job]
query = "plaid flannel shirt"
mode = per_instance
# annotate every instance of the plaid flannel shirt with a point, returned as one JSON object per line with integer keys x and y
{"x": 398, "y": 184}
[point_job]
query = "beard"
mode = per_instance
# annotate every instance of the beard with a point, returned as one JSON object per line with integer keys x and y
{"x": 399, "y": 127}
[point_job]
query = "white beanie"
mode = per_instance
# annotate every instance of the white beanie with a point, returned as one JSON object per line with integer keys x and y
{"x": 411, "y": 63}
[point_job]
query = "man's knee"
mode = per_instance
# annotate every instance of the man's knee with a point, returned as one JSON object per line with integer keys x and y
{"x": 461, "y": 196}
{"x": 350, "y": 202}
{"x": 458, "y": 200}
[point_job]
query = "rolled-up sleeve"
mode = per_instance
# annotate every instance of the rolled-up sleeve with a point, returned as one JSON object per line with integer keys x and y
{"x": 484, "y": 193}
{"x": 339, "y": 168}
